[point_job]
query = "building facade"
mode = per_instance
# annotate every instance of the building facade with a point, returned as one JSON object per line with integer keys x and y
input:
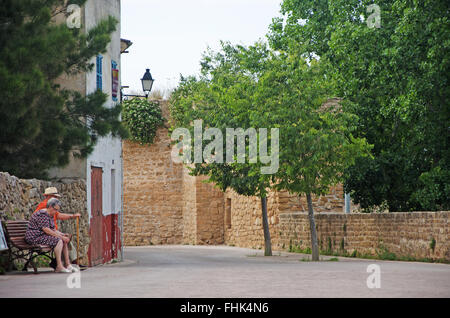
{"x": 102, "y": 169}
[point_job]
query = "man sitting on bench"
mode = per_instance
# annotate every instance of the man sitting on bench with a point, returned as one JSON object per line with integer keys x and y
{"x": 52, "y": 192}
{"x": 41, "y": 231}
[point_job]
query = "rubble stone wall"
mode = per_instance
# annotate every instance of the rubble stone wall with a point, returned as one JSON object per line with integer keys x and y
{"x": 20, "y": 197}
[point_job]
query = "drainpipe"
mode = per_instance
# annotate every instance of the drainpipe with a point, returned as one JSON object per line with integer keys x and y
{"x": 121, "y": 201}
{"x": 347, "y": 203}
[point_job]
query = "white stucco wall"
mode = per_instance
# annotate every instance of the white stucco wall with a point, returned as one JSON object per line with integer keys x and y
{"x": 107, "y": 152}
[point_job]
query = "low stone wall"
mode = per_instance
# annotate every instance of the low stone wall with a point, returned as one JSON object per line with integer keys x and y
{"x": 413, "y": 234}
{"x": 245, "y": 216}
{"x": 20, "y": 197}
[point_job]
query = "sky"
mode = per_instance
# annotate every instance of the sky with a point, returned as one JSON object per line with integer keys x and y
{"x": 169, "y": 36}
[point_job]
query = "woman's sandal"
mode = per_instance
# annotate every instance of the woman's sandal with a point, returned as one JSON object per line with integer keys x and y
{"x": 64, "y": 270}
{"x": 72, "y": 269}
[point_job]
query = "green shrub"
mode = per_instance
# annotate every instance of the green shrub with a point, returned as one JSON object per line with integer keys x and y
{"x": 434, "y": 190}
{"x": 142, "y": 119}
{"x": 433, "y": 243}
{"x": 384, "y": 254}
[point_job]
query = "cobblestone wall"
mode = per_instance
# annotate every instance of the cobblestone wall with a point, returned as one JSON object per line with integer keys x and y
{"x": 20, "y": 197}
{"x": 409, "y": 234}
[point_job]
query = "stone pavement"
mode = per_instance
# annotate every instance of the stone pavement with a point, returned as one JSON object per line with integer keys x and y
{"x": 222, "y": 271}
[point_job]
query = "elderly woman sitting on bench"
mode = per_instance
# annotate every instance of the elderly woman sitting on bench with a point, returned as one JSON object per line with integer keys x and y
{"x": 41, "y": 231}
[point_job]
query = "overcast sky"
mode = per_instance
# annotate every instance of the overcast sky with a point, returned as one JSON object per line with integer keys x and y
{"x": 169, "y": 36}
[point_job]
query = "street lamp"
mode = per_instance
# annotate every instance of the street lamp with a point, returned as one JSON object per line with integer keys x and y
{"x": 147, "y": 82}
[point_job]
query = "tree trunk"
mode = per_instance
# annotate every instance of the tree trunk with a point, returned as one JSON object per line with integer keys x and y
{"x": 312, "y": 227}
{"x": 267, "y": 243}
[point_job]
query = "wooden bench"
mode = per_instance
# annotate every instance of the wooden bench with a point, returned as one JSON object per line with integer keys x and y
{"x": 20, "y": 249}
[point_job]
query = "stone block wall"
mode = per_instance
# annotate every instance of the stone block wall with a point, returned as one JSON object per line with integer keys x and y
{"x": 163, "y": 204}
{"x": 209, "y": 213}
{"x": 19, "y": 198}
{"x": 246, "y": 215}
{"x": 407, "y": 234}
{"x": 246, "y": 219}
{"x": 189, "y": 208}
{"x": 331, "y": 202}
{"x": 153, "y": 193}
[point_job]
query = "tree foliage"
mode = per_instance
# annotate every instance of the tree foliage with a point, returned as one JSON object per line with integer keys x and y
{"x": 223, "y": 98}
{"x": 254, "y": 87}
{"x": 317, "y": 142}
{"x": 395, "y": 79}
{"x": 43, "y": 123}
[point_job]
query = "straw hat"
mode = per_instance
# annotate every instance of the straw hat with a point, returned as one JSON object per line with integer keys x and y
{"x": 52, "y": 191}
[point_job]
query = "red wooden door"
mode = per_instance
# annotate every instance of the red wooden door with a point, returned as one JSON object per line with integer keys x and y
{"x": 96, "y": 224}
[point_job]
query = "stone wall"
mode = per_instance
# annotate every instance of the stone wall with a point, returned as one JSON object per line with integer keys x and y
{"x": 331, "y": 202}
{"x": 153, "y": 192}
{"x": 165, "y": 205}
{"x": 19, "y": 198}
{"x": 246, "y": 214}
{"x": 209, "y": 213}
{"x": 406, "y": 234}
{"x": 246, "y": 219}
{"x": 189, "y": 208}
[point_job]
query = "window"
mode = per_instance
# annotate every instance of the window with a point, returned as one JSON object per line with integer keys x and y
{"x": 99, "y": 72}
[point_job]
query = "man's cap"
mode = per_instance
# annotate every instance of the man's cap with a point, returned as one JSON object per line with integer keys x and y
{"x": 52, "y": 191}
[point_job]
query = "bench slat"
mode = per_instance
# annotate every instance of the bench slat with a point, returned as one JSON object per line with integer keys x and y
{"x": 11, "y": 226}
{"x": 15, "y": 231}
{"x": 16, "y": 240}
{"x": 16, "y": 223}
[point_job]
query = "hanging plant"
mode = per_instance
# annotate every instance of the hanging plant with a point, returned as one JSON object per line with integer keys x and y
{"x": 142, "y": 118}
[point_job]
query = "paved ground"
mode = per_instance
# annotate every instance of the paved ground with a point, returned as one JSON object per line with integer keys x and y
{"x": 220, "y": 271}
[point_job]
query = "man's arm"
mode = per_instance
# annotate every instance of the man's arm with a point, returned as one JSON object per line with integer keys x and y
{"x": 65, "y": 216}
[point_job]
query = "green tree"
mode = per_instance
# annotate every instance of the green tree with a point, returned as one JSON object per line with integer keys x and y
{"x": 252, "y": 87}
{"x": 222, "y": 98}
{"x": 41, "y": 122}
{"x": 395, "y": 78}
{"x": 317, "y": 143}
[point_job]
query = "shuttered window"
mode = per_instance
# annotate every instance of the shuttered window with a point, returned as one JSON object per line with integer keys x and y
{"x": 99, "y": 72}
